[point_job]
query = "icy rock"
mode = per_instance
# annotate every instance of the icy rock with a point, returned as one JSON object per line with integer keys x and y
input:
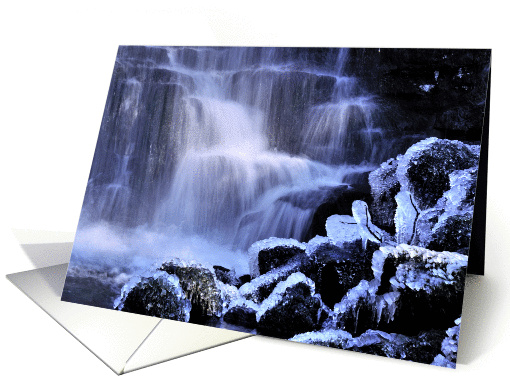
{"x": 425, "y": 168}
{"x": 440, "y": 360}
{"x": 460, "y": 198}
{"x": 200, "y": 286}
{"x": 452, "y": 234}
{"x": 338, "y": 269}
{"x": 421, "y": 348}
{"x": 292, "y": 308}
{"x": 272, "y": 258}
{"x": 384, "y": 187}
{"x": 449, "y": 347}
{"x": 430, "y": 284}
{"x": 159, "y": 295}
{"x": 226, "y": 276}
{"x": 242, "y": 312}
{"x": 335, "y": 338}
{"x": 261, "y": 287}
{"x": 340, "y": 203}
{"x": 342, "y": 229}
{"x": 447, "y": 225}
{"x": 451, "y": 230}
{"x": 315, "y": 243}
{"x": 266, "y": 246}
{"x": 413, "y": 289}
{"x": 361, "y": 308}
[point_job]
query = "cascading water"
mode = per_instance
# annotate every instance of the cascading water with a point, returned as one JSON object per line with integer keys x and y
{"x": 231, "y": 144}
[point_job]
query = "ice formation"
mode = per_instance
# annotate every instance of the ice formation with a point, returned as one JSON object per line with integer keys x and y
{"x": 337, "y": 337}
{"x": 367, "y": 230}
{"x": 342, "y": 229}
{"x": 405, "y": 218}
{"x": 317, "y": 242}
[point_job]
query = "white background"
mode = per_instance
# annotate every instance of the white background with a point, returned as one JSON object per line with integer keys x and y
{"x": 56, "y": 61}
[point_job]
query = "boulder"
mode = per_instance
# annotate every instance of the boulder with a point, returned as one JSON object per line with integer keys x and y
{"x": 226, "y": 276}
{"x": 159, "y": 295}
{"x": 290, "y": 309}
{"x": 338, "y": 269}
{"x": 425, "y": 168}
{"x": 242, "y": 316}
{"x": 200, "y": 286}
{"x": 265, "y": 255}
{"x": 259, "y": 288}
{"x": 413, "y": 290}
{"x": 384, "y": 187}
{"x": 271, "y": 258}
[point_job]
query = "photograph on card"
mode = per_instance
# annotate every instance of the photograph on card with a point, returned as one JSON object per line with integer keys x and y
{"x": 319, "y": 195}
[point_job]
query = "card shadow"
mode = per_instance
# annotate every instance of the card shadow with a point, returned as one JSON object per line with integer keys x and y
{"x": 477, "y": 313}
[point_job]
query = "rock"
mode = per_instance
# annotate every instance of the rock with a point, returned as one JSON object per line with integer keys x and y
{"x": 200, "y": 287}
{"x": 413, "y": 290}
{"x": 338, "y": 269}
{"x": 241, "y": 315}
{"x": 447, "y": 225}
{"x": 449, "y": 347}
{"x": 452, "y": 234}
{"x": 425, "y": 168}
{"x": 421, "y": 348}
{"x": 290, "y": 309}
{"x": 259, "y": 288}
{"x": 443, "y": 89}
{"x": 272, "y": 258}
{"x": 159, "y": 295}
{"x": 337, "y": 202}
{"x": 275, "y": 252}
{"x": 226, "y": 276}
{"x": 384, "y": 187}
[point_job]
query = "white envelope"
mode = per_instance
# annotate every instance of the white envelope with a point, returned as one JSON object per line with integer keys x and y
{"x": 123, "y": 341}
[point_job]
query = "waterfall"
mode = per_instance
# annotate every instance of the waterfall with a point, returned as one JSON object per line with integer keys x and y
{"x": 231, "y": 144}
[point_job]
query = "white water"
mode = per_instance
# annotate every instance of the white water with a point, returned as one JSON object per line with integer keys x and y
{"x": 252, "y": 134}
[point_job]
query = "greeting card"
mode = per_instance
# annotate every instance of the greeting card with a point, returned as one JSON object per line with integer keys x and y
{"x": 320, "y": 195}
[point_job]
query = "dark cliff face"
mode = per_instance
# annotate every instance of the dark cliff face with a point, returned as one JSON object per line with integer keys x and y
{"x": 438, "y": 90}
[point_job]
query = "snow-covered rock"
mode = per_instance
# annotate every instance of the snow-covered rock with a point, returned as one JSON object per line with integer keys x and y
{"x": 265, "y": 246}
{"x": 291, "y": 308}
{"x": 200, "y": 286}
{"x": 384, "y": 187}
{"x": 413, "y": 289}
{"x": 421, "y": 348}
{"x": 449, "y": 347}
{"x": 158, "y": 295}
{"x": 261, "y": 287}
{"x": 425, "y": 168}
